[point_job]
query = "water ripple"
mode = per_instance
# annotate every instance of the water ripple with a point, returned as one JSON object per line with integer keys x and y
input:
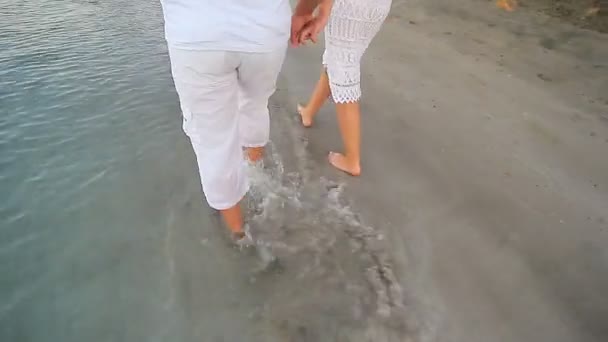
{"x": 84, "y": 89}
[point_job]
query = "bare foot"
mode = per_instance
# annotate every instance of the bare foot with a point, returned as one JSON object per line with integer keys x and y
{"x": 340, "y": 162}
{"x": 236, "y": 236}
{"x": 306, "y": 119}
{"x": 254, "y": 154}
{"x": 242, "y": 239}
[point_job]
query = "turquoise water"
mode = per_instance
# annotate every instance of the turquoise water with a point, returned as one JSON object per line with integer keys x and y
{"x": 91, "y": 156}
{"x": 104, "y": 233}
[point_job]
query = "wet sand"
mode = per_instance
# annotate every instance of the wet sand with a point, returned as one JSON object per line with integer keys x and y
{"x": 485, "y": 143}
{"x": 481, "y": 214}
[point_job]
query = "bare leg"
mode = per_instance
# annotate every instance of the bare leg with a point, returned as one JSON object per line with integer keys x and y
{"x": 233, "y": 218}
{"x": 350, "y": 128}
{"x": 254, "y": 154}
{"x": 317, "y": 99}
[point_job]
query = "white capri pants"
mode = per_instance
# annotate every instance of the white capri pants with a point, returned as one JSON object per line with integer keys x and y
{"x": 224, "y": 100}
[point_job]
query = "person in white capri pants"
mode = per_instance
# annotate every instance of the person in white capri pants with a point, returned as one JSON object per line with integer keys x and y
{"x": 225, "y": 58}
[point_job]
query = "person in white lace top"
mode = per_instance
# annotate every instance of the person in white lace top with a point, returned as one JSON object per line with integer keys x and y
{"x": 351, "y": 27}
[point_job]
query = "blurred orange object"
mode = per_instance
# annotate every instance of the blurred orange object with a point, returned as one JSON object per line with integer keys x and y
{"x": 507, "y": 5}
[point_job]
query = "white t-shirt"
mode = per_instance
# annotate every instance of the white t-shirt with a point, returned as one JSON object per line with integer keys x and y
{"x": 228, "y": 25}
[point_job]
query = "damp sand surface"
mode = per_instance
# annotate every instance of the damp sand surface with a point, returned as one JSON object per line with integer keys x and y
{"x": 480, "y": 215}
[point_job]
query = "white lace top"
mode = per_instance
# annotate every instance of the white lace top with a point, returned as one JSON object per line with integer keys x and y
{"x": 351, "y": 27}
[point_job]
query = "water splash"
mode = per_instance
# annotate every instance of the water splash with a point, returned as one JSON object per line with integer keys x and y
{"x": 335, "y": 277}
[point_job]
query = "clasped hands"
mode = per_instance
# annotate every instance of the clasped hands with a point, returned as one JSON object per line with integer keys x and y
{"x": 306, "y": 24}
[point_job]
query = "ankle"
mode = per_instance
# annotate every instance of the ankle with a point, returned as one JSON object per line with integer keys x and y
{"x": 233, "y": 218}
{"x": 254, "y": 154}
{"x": 352, "y": 160}
{"x": 238, "y": 235}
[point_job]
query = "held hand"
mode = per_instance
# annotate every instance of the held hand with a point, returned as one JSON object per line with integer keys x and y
{"x": 312, "y": 25}
{"x": 298, "y": 22}
{"x": 311, "y": 31}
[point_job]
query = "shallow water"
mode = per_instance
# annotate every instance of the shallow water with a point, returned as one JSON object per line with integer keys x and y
{"x": 104, "y": 234}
